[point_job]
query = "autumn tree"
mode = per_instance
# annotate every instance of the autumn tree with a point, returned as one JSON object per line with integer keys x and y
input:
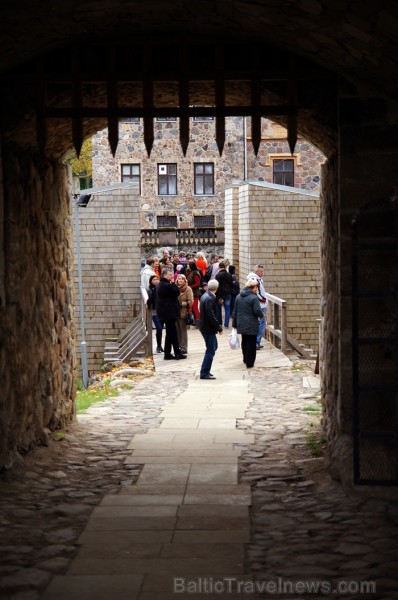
{"x": 81, "y": 166}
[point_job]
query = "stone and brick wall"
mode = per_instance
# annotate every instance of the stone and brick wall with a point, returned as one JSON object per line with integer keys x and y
{"x": 238, "y": 160}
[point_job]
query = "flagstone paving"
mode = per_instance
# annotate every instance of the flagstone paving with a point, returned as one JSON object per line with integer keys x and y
{"x": 198, "y": 489}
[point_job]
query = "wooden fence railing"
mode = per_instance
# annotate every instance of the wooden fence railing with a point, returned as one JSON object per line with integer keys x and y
{"x": 277, "y": 320}
{"x": 277, "y": 327}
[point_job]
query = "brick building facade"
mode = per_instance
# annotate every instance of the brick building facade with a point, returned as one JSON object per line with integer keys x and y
{"x": 182, "y": 192}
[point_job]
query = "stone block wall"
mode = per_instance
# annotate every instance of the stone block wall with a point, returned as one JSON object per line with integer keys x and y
{"x": 110, "y": 264}
{"x": 166, "y": 149}
{"x": 279, "y": 227}
{"x": 36, "y": 312}
{"x": 237, "y": 163}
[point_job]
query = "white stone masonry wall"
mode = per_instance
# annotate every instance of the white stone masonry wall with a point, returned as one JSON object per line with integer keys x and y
{"x": 280, "y": 229}
{"x": 110, "y": 258}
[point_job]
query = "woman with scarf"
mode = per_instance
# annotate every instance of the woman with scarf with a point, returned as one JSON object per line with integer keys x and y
{"x": 185, "y": 300}
{"x": 194, "y": 281}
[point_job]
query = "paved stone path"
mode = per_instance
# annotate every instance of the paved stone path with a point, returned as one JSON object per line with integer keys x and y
{"x": 207, "y": 486}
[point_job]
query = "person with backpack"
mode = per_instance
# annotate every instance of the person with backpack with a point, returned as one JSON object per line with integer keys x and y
{"x": 212, "y": 268}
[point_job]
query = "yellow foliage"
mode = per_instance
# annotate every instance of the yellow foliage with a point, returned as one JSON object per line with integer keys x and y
{"x": 81, "y": 166}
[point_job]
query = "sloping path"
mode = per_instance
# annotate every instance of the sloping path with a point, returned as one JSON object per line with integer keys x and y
{"x": 229, "y": 495}
{"x": 183, "y": 526}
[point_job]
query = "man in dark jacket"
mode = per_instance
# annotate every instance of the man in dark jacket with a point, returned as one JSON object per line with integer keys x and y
{"x": 209, "y": 327}
{"x": 168, "y": 311}
{"x": 224, "y": 294}
{"x": 247, "y": 312}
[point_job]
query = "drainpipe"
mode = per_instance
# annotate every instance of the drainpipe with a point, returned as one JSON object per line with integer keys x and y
{"x": 80, "y": 279}
{"x": 244, "y": 150}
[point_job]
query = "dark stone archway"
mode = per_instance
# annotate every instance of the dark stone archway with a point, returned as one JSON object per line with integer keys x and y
{"x": 351, "y": 115}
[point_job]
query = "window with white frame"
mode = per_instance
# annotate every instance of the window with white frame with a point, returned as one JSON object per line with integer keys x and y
{"x": 131, "y": 172}
{"x": 167, "y": 179}
{"x": 203, "y": 179}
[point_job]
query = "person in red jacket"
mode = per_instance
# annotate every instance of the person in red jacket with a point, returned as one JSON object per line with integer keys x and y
{"x": 201, "y": 263}
{"x": 194, "y": 282}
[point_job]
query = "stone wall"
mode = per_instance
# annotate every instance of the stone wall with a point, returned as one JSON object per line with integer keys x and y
{"x": 36, "y": 315}
{"x": 166, "y": 149}
{"x": 237, "y": 163}
{"x": 330, "y": 265}
{"x": 307, "y": 159}
{"x": 110, "y": 266}
{"x": 279, "y": 228}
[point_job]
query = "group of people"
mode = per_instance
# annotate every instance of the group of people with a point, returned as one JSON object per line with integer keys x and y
{"x": 174, "y": 286}
{"x": 181, "y": 284}
{"x": 248, "y": 317}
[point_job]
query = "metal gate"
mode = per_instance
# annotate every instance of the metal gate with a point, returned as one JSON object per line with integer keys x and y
{"x": 375, "y": 342}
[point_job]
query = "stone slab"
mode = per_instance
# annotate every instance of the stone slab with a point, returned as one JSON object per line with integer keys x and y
{"x": 240, "y": 489}
{"x": 212, "y": 536}
{"x": 153, "y": 490}
{"x": 142, "y": 499}
{"x": 178, "y": 423}
{"x": 163, "y": 583}
{"x": 119, "y": 549}
{"x": 219, "y": 450}
{"x": 158, "y": 565}
{"x": 235, "y": 551}
{"x": 184, "y": 459}
{"x": 222, "y": 512}
{"x": 98, "y": 587}
{"x": 130, "y": 523}
{"x": 211, "y": 523}
{"x": 231, "y": 413}
{"x": 213, "y": 473}
{"x": 125, "y": 537}
{"x": 227, "y": 499}
{"x": 134, "y": 511}
{"x": 215, "y": 423}
{"x": 158, "y": 474}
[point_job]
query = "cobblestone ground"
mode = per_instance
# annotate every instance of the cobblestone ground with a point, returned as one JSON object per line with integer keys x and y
{"x": 305, "y": 529}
